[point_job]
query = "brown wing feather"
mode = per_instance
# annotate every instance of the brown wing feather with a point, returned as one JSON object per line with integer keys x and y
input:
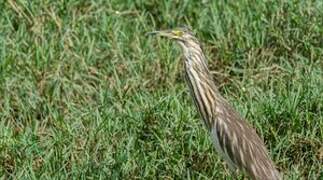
{"x": 242, "y": 144}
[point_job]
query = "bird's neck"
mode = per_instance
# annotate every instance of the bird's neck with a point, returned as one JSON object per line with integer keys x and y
{"x": 201, "y": 84}
{"x": 196, "y": 61}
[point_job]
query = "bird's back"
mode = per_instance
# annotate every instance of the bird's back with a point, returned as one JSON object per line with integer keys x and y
{"x": 239, "y": 143}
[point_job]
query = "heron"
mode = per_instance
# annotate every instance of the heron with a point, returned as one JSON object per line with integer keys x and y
{"x": 233, "y": 137}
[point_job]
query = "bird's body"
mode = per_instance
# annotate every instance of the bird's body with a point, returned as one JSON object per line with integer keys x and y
{"x": 236, "y": 141}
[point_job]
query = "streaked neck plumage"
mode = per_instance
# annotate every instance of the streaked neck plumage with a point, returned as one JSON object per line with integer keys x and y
{"x": 200, "y": 81}
{"x": 194, "y": 56}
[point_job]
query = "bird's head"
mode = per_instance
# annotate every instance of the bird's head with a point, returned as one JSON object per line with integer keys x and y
{"x": 184, "y": 36}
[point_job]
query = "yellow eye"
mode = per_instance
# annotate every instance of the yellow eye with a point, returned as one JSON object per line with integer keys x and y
{"x": 178, "y": 33}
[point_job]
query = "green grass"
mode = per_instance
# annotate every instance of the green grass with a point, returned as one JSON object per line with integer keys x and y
{"x": 84, "y": 94}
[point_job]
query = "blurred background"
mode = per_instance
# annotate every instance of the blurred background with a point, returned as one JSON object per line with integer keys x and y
{"x": 85, "y": 94}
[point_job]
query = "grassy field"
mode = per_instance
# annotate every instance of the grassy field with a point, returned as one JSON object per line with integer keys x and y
{"x": 85, "y": 94}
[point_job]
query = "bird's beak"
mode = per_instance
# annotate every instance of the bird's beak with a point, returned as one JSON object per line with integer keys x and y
{"x": 165, "y": 33}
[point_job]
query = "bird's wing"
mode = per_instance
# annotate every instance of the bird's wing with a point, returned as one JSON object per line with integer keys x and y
{"x": 240, "y": 142}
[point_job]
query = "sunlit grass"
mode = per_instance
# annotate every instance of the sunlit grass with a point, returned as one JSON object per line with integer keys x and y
{"x": 85, "y": 94}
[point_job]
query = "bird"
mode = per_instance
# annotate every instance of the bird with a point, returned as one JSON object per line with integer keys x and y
{"x": 233, "y": 137}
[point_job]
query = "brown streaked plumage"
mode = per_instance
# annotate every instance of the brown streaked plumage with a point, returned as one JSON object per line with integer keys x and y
{"x": 234, "y": 138}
